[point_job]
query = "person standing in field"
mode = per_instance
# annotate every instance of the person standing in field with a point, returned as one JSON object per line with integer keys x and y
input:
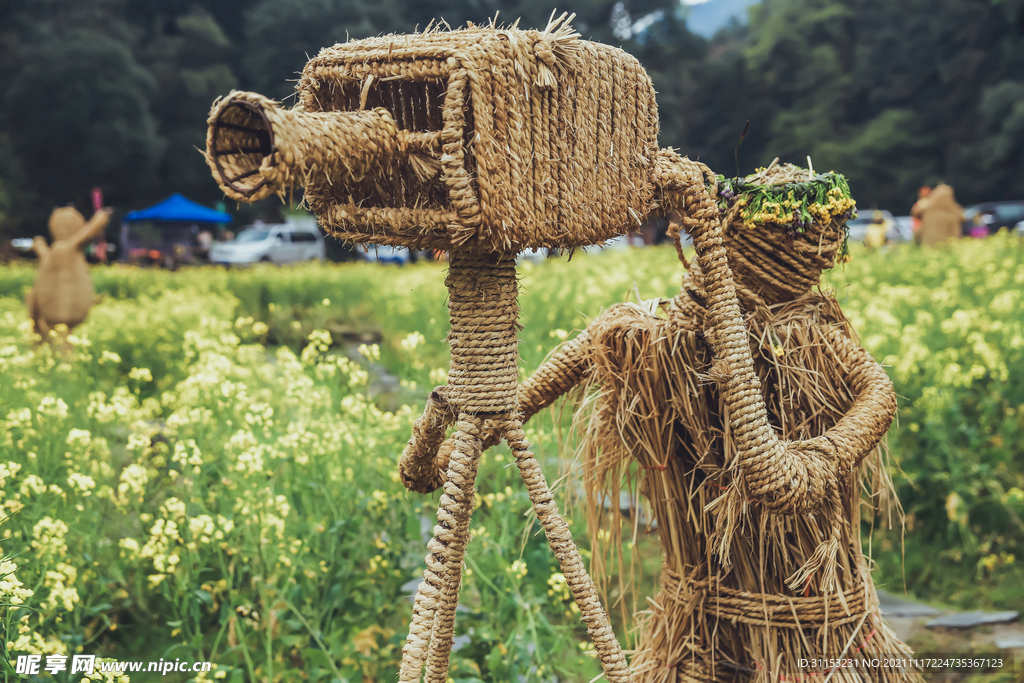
{"x": 878, "y": 230}
{"x": 941, "y": 217}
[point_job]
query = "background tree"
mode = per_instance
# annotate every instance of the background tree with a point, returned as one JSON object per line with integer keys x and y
{"x": 115, "y": 93}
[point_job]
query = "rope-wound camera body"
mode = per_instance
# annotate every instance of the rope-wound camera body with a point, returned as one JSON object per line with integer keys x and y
{"x": 483, "y": 139}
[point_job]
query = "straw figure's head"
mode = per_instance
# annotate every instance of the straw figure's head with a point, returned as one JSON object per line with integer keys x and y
{"x": 65, "y": 223}
{"x": 479, "y": 139}
{"x": 785, "y": 226}
{"x": 942, "y": 197}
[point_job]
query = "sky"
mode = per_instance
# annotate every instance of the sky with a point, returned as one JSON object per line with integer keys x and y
{"x": 706, "y": 17}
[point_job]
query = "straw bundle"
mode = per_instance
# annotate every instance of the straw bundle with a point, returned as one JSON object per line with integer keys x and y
{"x": 63, "y": 292}
{"x": 728, "y": 602}
{"x": 747, "y": 591}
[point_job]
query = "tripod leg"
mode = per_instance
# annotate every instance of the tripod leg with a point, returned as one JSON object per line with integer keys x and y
{"x": 414, "y": 653}
{"x": 560, "y": 539}
{"x": 462, "y": 473}
{"x": 431, "y": 629}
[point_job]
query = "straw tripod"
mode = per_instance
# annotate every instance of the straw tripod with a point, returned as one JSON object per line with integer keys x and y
{"x": 481, "y": 142}
{"x": 482, "y": 393}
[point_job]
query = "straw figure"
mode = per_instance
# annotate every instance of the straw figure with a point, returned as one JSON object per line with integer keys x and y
{"x": 63, "y": 292}
{"x": 483, "y": 142}
{"x": 941, "y": 217}
{"x": 762, "y": 562}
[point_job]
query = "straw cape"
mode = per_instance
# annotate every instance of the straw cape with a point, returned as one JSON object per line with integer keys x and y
{"x": 63, "y": 292}
{"x": 755, "y": 576}
{"x": 483, "y": 142}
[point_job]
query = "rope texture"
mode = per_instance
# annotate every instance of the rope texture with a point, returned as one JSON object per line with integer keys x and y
{"x": 483, "y": 311}
{"x": 560, "y": 539}
{"x": 860, "y": 430}
{"x": 761, "y": 609}
{"x": 294, "y": 147}
{"x": 483, "y": 388}
{"x": 498, "y": 139}
{"x": 432, "y": 625}
{"x": 421, "y": 471}
{"x": 451, "y": 535}
{"x": 425, "y": 459}
{"x": 776, "y": 273}
{"x": 786, "y": 477}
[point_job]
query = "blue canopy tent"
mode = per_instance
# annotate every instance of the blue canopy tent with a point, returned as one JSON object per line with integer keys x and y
{"x": 178, "y": 209}
{"x": 176, "y": 218}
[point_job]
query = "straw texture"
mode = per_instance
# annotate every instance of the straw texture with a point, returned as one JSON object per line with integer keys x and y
{"x": 63, "y": 292}
{"x": 482, "y": 308}
{"x": 425, "y": 458}
{"x": 751, "y": 583}
{"x": 485, "y": 138}
{"x": 482, "y": 388}
{"x": 431, "y": 628}
{"x": 560, "y": 539}
{"x": 486, "y": 141}
{"x": 421, "y": 471}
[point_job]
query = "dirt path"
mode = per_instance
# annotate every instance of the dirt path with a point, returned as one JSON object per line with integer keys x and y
{"x": 918, "y": 625}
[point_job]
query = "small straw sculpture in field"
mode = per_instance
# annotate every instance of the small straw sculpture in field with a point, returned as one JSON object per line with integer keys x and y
{"x": 759, "y": 520}
{"x": 480, "y": 142}
{"x": 63, "y": 293}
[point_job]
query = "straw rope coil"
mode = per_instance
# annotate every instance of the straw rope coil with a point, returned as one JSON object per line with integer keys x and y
{"x": 869, "y": 418}
{"x": 782, "y": 274}
{"x": 482, "y": 306}
{"x": 560, "y": 539}
{"x": 425, "y": 458}
{"x": 762, "y": 609}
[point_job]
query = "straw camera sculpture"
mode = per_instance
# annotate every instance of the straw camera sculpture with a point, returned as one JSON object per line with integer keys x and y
{"x": 483, "y": 142}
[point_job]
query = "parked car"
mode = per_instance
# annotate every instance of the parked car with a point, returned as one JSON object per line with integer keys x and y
{"x": 291, "y": 242}
{"x": 902, "y": 229}
{"x": 994, "y": 215}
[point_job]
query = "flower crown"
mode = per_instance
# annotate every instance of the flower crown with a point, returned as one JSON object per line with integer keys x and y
{"x": 790, "y": 197}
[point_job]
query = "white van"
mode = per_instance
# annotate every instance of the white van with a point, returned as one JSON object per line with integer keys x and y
{"x": 291, "y": 242}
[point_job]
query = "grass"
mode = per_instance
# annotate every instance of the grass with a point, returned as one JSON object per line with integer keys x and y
{"x": 207, "y": 478}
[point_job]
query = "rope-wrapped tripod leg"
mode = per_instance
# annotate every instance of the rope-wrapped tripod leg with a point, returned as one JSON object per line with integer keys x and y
{"x": 453, "y": 530}
{"x": 434, "y": 605}
{"x": 418, "y": 467}
{"x": 560, "y": 539}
